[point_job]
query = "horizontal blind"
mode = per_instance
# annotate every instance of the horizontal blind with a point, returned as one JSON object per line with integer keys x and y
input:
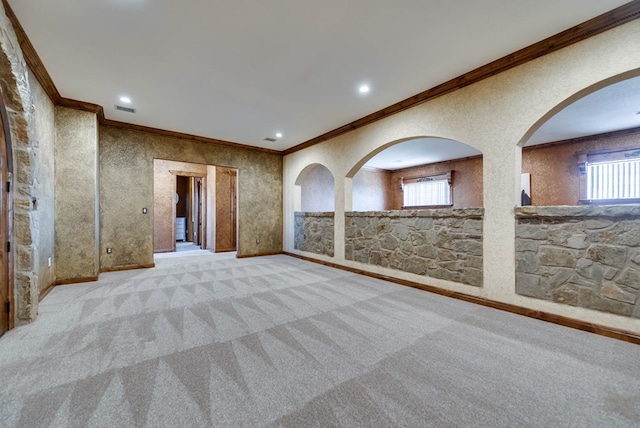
{"x": 427, "y": 193}
{"x": 614, "y": 180}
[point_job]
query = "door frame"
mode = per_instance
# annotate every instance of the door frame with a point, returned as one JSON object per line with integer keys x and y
{"x": 202, "y": 200}
{"x": 6, "y": 222}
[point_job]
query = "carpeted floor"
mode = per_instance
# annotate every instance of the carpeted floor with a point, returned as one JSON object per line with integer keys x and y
{"x": 211, "y": 340}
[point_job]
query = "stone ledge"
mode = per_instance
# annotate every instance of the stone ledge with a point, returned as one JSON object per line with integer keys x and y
{"x": 563, "y": 211}
{"x": 314, "y": 214}
{"x": 474, "y": 213}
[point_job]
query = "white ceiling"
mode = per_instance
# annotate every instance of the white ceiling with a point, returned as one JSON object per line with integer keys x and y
{"x": 241, "y": 70}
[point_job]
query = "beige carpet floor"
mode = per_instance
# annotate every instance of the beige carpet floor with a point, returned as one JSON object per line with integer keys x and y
{"x": 211, "y": 340}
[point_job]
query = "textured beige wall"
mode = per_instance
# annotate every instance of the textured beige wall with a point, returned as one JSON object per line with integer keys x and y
{"x": 495, "y": 116}
{"x": 76, "y": 194}
{"x": 126, "y": 186}
{"x": 372, "y": 190}
{"x": 45, "y": 133}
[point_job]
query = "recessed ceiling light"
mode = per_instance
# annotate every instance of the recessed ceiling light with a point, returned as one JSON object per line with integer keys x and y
{"x": 364, "y": 89}
{"x": 125, "y": 100}
{"x": 279, "y": 135}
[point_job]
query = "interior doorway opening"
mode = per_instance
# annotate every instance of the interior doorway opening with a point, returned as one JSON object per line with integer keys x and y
{"x": 195, "y": 207}
{"x": 190, "y": 215}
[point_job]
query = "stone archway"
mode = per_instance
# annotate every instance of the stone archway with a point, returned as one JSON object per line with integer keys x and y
{"x": 19, "y": 127}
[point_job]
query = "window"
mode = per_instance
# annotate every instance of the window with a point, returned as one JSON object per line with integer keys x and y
{"x": 613, "y": 180}
{"x": 428, "y": 191}
{"x": 611, "y": 176}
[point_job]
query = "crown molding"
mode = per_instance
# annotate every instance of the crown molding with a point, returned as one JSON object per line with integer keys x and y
{"x": 175, "y": 134}
{"x": 597, "y": 25}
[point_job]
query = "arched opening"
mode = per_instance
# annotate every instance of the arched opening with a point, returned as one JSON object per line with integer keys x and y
{"x": 431, "y": 223}
{"x": 6, "y": 263}
{"x": 314, "y": 210}
{"x": 589, "y": 127}
{"x": 577, "y": 245}
{"x": 450, "y": 173}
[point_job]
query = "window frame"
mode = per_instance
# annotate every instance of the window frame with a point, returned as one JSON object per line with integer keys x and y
{"x": 441, "y": 176}
{"x": 604, "y": 156}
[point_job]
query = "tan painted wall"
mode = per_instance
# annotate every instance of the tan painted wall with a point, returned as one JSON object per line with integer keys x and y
{"x": 467, "y": 181}
{"x": 495, "y": 116}
{"x": 554, "y": 169}
{"x": 76, "y": 194}
{"x": 45, "y": 134}
{"x": 372, "y": 190}
{"x": 126, "y": 186}
{"x": 224, "y": 195}
{"x": 164, "y": 188}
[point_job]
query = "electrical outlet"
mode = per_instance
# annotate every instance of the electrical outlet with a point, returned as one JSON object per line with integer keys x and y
{"x": 257, "y": 240}
{"x": 109, "y": 250}
{"x": 49, "y": 262}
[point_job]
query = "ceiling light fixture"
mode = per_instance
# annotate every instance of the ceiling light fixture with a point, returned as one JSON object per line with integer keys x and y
{"x": 279, "y": 135}
{"x": 364, "y": 89}
{"x": 125, "y": 100}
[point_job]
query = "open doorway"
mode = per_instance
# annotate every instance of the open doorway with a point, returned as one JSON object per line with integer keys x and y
{"x": 190, "y": 212}
{"x": 195, "y": 207}
{"x": 6, "y": 263}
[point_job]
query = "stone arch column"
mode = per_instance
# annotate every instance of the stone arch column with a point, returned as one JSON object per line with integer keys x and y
{"x": 14, "y": 82}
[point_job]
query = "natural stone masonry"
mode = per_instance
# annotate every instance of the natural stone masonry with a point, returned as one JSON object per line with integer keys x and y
{"x": 438, "y": 243}
{"x": 314, "y": 232}
{"x": 586, "y": 256}
{"x": 30, "y": 174}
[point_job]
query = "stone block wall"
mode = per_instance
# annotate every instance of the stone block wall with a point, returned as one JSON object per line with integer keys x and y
{"x": 586, "y": 256}
{"x": 314, "y": 232}
{"x": 438, "y": 243}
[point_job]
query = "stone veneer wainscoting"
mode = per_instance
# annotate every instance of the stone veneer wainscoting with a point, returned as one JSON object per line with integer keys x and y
{"x": 586, "y": 256}
{"x": 314, "y": 232}
{"x": 439, "y": 243}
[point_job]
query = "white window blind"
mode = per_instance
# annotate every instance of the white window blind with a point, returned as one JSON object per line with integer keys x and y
{"x": 425, "y": 193}
{"x": 613, "y": 180}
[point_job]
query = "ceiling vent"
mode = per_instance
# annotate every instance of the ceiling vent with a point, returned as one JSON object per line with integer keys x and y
{"x": 125, "y": 109}
{"x": 271, "y": 140}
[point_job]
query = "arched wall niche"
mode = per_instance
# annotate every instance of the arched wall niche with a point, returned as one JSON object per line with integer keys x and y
{"x": 314, "y": 224}
{"x": 316, "y": 187}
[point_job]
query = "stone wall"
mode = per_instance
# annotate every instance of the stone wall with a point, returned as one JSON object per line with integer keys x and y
{"x": 586, "y": 256}
{"x": 314, "y": 232}
{"x": 440, "y": 243}
{"x": 30, "y": 117}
